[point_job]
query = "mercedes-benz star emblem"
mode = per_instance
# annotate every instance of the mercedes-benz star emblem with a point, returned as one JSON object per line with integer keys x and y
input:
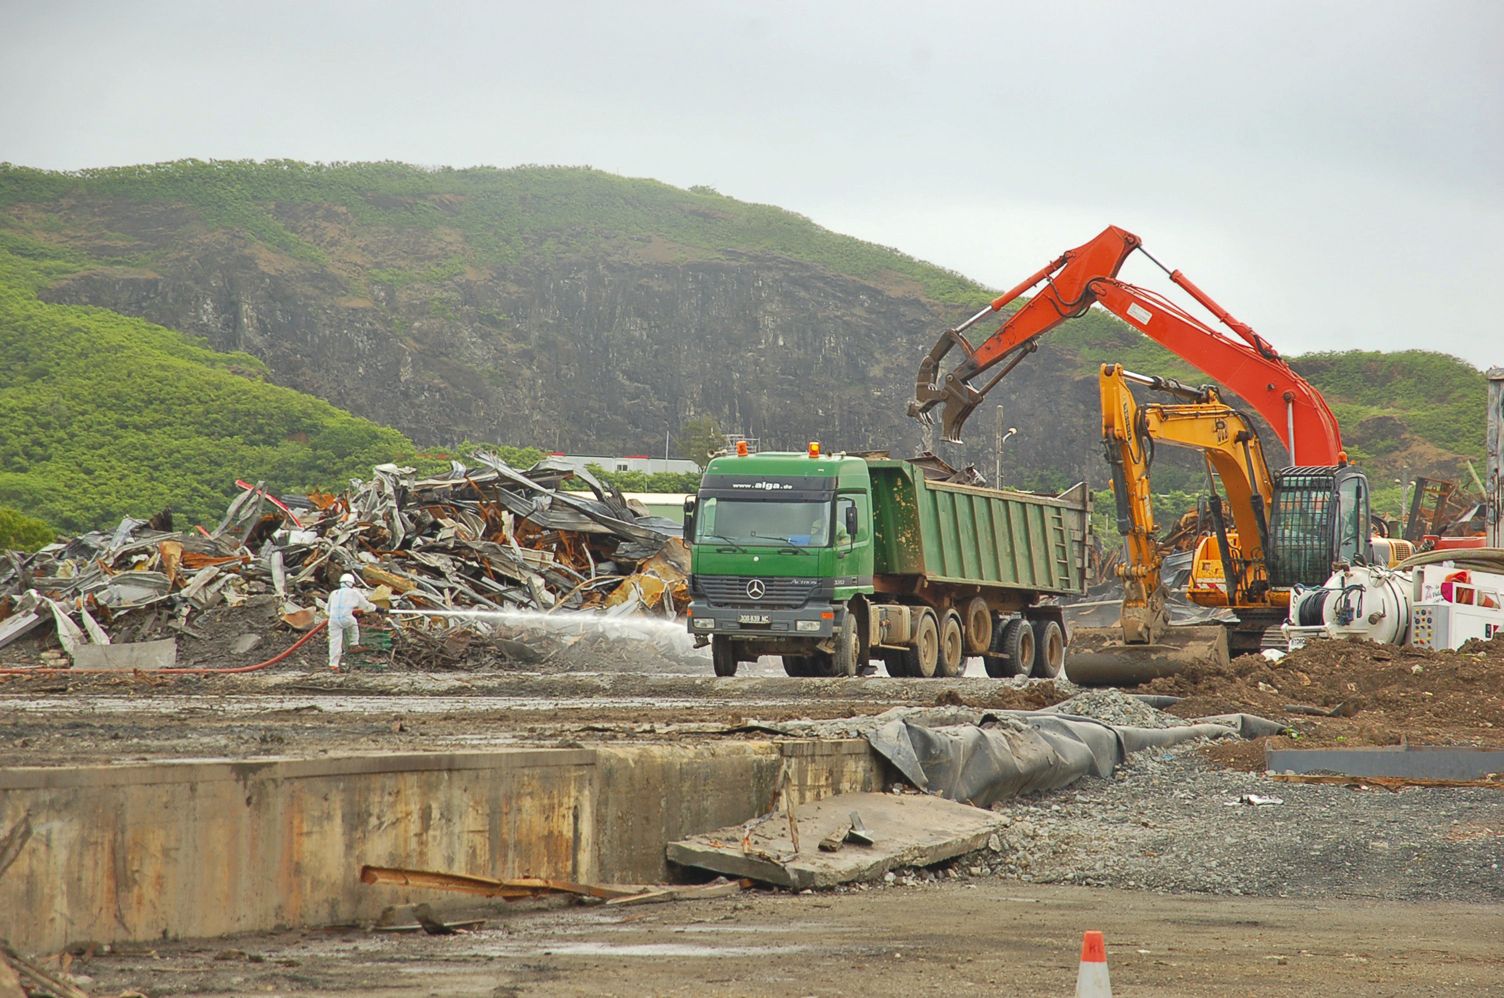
{"x": 756, "y": 589}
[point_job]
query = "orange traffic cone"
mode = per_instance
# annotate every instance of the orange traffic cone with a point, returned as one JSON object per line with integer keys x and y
{"x": 1091, "y": 979}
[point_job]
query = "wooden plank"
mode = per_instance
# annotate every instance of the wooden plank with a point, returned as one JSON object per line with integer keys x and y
{"x": 511, "y": 890}
{"x": 695, "y": 892}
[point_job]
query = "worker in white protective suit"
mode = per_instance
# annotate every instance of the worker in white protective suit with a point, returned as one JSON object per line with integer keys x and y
{"x": 343, "y": 603}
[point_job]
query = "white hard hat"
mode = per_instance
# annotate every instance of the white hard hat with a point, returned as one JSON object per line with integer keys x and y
{"x": 347, "y": 580}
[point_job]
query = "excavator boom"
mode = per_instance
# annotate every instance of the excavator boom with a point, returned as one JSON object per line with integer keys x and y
{"x": 1244, "y": 363}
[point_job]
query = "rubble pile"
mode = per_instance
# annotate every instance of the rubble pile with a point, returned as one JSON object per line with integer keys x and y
{"x": 476, "y": 548}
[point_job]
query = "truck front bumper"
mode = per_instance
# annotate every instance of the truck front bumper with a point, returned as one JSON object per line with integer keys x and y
{"x": 816, "y": 621}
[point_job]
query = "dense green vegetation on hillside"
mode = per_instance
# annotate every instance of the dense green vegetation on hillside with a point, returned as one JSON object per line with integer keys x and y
{"x": 19, "y": 532}
{"x": 106, "y": 415}
{"x": 505, "y": 214}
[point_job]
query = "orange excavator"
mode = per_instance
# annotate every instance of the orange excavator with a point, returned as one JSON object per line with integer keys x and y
{"x": 1244, "y": 363}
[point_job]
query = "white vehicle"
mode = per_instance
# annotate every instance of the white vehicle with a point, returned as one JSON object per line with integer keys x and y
{"x": 1430, "y": 606}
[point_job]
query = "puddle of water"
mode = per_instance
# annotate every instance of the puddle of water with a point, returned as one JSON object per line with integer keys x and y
{"x": 700, "y": 949}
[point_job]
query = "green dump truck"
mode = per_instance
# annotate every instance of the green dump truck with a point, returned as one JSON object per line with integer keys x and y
{"x": 834, "y": 560}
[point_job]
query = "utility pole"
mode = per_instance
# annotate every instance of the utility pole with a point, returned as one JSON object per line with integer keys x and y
{"x": 997, "y": 466}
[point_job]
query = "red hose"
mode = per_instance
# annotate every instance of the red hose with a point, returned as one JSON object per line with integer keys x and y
{"x": 179, "y": 671}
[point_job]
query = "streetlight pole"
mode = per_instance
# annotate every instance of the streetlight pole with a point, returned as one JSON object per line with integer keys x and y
{"x": 997, "y": 465}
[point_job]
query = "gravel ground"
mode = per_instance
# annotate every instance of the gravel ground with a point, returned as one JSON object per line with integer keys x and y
{"x": 1169, "y": 821}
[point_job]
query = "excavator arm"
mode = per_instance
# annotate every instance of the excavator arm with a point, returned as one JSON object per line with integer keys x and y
{"x": 1199, "y": 421}
{"x": 1079, "y": 278}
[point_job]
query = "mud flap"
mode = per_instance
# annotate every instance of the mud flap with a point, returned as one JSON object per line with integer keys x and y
{"x": 1097, "y": 656}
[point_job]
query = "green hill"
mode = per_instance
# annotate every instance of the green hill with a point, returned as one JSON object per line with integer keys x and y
{"x": 159, "y": 308}
{"x": 107, "y": 415}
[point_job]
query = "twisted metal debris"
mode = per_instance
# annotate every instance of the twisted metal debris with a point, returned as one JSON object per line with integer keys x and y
{"x": 485, "y": 537}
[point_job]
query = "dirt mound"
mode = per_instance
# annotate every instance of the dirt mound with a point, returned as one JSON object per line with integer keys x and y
{"x": 1373, "y": 694}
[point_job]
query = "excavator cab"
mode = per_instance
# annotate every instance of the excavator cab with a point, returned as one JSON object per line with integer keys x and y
{"x": 1320, "y": 518}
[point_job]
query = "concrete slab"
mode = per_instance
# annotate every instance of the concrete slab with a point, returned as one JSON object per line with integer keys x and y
{"x": 161, "y": 654}
{"x": 908, "y": 829}
{"x": 132, "y": 852}
{"x": 1425, "y": 763}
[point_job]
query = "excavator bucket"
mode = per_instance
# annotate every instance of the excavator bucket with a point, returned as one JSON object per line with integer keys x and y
{"x": 1098, "y": 656}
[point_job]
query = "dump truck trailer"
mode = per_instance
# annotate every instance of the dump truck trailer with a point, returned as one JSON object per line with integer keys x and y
{"x": 832, "y": 561}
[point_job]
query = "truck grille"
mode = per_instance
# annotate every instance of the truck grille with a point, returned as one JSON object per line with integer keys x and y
{"x": 731, "y": 590}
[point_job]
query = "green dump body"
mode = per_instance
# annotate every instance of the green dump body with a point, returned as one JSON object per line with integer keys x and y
{"x": 947, "y": 534}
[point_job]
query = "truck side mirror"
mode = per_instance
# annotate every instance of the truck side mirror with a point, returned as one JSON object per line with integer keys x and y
{"x": 689, "y": 518}
{"x": 851, "y": 523}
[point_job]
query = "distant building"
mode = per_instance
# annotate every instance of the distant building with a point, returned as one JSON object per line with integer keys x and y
{"x": 633, "y": 462}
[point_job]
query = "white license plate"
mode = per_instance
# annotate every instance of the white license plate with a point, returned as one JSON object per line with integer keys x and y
{"x": 754, "y": 618}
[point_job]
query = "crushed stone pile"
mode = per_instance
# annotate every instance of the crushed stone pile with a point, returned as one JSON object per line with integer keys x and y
{"x": 1121, "y": 709}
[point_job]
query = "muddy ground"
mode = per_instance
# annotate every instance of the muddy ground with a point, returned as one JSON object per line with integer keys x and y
{"x": 943, "y": 938}
{"x": 1343, "y": 890}
{"x": 1380, "y": 696}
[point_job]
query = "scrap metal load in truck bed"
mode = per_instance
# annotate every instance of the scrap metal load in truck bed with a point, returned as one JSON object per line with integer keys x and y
{"x": 833, "y": 560}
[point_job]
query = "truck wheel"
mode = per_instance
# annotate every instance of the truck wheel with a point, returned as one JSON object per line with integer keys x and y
{"x": 923, "y": 656}
{"x": 978, "y": 626}
{"x": 1049, "y": 649}
{"x": 952, "y": 646}
{"x": 998, "y": 665}
{"x": 723, "y": 656}
{"x": 1015, "y": 648}
{"x": 847, "y": 658}
{"x": 798, "y": 665}
{"x": 896, "y": 662}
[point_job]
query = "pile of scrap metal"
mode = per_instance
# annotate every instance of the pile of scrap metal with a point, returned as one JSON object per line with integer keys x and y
{"x": 482, "y": 538}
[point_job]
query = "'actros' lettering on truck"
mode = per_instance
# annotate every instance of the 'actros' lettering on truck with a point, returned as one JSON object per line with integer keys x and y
{"x": 764, "y": 486}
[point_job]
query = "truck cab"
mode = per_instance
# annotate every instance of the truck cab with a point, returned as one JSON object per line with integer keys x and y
{"x": 781, "y": 543}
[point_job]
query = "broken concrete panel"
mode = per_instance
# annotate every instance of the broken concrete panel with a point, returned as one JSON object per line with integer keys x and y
{"x": 907, "y": 829}
{"x": 161, "y": 654}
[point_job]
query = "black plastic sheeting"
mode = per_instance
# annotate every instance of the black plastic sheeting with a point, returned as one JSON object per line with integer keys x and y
{"x": 983, "y": 757}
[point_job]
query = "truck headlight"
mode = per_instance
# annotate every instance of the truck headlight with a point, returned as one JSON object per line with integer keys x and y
{"x": 704, "y": 624}
{"x": 806, "y": 625}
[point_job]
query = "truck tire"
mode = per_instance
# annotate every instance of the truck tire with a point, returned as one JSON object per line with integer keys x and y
{"x": 952, "y": 646}
{"x": 998, "y": 665}
{"x": 1013, "y": 652}
{"x": 798, "y": 665}
{"x": 723, "y": 656}
{"x": 896, "y": 662}
{"x": 1049, "y": 649}
{"x": 978, "y": 619}
{"x": 923, "y": 656}
{"x": 847, "y": 659}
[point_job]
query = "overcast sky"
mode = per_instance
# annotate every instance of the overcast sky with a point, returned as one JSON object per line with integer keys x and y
{"x": 1330, "y": 171}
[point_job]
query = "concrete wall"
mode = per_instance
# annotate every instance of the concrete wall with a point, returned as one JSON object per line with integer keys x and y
{"x": 205, "y": 847}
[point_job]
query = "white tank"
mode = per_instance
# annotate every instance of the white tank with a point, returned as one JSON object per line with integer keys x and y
{"x": 1359, "y": 602}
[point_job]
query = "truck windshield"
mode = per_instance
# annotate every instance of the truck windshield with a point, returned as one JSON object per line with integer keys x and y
{"x": 764, "y": 523}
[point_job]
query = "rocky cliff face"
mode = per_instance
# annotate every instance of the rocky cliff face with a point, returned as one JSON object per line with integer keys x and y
{"x": 599, "y": 355}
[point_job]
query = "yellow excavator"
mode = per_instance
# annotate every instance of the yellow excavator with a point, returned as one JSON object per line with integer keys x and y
{"x": 1269, "y": 532}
